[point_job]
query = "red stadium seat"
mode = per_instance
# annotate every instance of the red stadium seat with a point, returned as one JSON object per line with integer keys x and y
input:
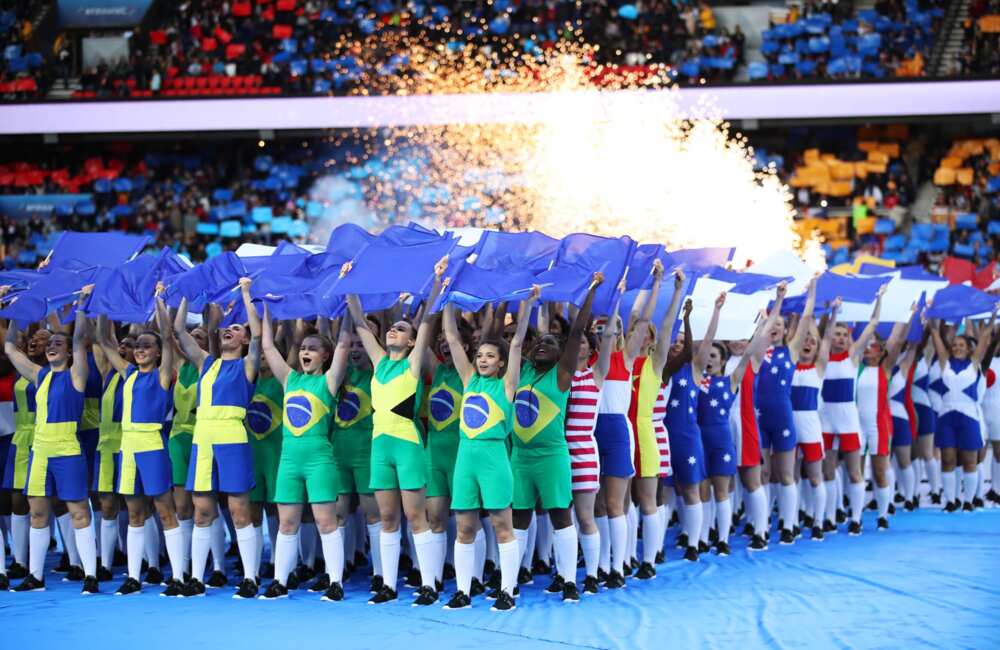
{"x": 264, "y": 2}
{"x": 214, "y": 81}
{"x": 26, "y": 85}
{"x": 235, "y": 50}
{"x": 223, "y": 36}
{"x": 226, "y": 82}
{"x": 158, "y": 37}
{"x": 209, "y": 44}
{"x": 285, "y": 5}
{"x": 238, "y": 82}
{"x": 242, "y": 9}
{"x": 188, "y": 82}
{"x": 201, "y": 82}
{"x": 256, "y": 80}
{"x": 130, "y": 83}
{"x": 282, "y": 31}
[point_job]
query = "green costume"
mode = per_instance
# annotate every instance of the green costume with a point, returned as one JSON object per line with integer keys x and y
{"x": 540, "y": 458}
{"x": 398, "y": 454}
{"x": 182, "y": 427}
{"x": 483, "y": 476}
{"x": 264, "y": 425}
{"x": 444, "y": 419}
{"x": 307, "y": 471}
{"x": 352, "y": 437}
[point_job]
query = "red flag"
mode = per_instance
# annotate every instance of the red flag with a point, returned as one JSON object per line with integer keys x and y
{"x": 957, "y": 270}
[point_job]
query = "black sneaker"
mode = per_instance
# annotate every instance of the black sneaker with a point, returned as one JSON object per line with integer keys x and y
{"x": 854, "y": 529}
{"x": 748, "y": 530}
{"x": 154, "y": 577}
{"x": 910, "y": 506}
{"x": 17, "y": 571}
{"x": 175, "y": 589}
{"x": 4, "y": 582}
{"x": 808, "y": 522}
{"x": 936, "y": 498}
{"x": 722, "y": 549}
{"x": 377, "y": 583}
{"x": 193, "y": 588}
{"x": 413, "y": 578}
{"x": 334, "y": 593}
{"x": 892, "y": 509}
{"x": 120, "y": 560}
{"x": 556, "y": 586}
{"x": 246, "y": 590}
{"x": 438, "y": 586}
{"x": 634, "y": 563}
{"x": 682, "y": 540}
{"x": 817, "y": 534}
{"x": 217, "y": 580}
{"x": 703, "y": 547}
{"x": 841, "y": 516}
{"x": 967, "y": 507}
{"x": 503, "y": 603}
{"x": 898, "y": 498}
{"x": 591, "y": 586}
{"x": 950, "y": 507}
{"x": 627, "y": 569}
{"x": 524, "y": 576}
{"x": 63, "y": 566}
{"x": 796, "y": 532}
{"x": 30, "y": 583}
{"x": 384, "y": 595}
{"x": 978, "y": 503}
{"x": 425, "y": 596}
{"x": 75, "y": 574}
{"x": 320, "y": 584}
{"x": 615, "y": 580}
{"x": 757, "y": 544}
{"x": 540, "y": 568}
{"x": 129, "y": 587}
{"x": 992, "y": 495}
{"x": 829, "y": 527}
{"x": 103, "y": 574}
{"x": 787, "y": 537}
{"x": 660, "y": 557}
{"x": 570, "y": 593}
{"x": 691, "y": 554}
{"x": 645, "y": 572}
{"x": 494, "y": 580}
{"x": 274, "y": 591}
{"x": 713, "y": 535}
{"x": 883, "y": 524}
{"x": 267, "y": 570}
{"x": 449, "y": 572}
{"x": 459, "y": 601}
{"x": 477, "y": 588}
{"x": 304, "y": 573}
{"x": 602, "y": 575}
{"x": 489, "y": 568}
{"x": 90, "y": 586}
{"x": 293, "y": 581}
{"x": 872, "y": 505}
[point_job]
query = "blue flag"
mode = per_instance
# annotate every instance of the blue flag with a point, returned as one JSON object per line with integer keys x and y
{"x": 580, "y": 256}
{"x": 746, "y": 283}
{"x": 126, "y": 294}
{"x": 831, "y": 286}
{"x": 218, "y": 274}
{"x": 956, "y": 301}
{"x": 523, "y": 251}
{"x": 701, "y": 258}
{"x": 76, "y": 249}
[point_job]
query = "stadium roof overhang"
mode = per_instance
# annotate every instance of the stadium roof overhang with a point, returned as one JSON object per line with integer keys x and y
{"x": 900, "y": 100}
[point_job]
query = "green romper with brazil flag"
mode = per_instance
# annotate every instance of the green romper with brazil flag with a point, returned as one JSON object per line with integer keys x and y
{"x": 307, "y": 472}
{"x": 352, "y": 434}
{"x": 540, "y": 458}
{"x": 444, "y": 420}
{"x": 182, "y": 426}
{"x": 264, "y": 426}
{"x": 398, "y": 455}
{"x": 483, "y": 476}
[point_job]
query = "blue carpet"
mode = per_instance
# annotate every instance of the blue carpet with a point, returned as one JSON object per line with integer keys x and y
{"x": 930, "y": 581}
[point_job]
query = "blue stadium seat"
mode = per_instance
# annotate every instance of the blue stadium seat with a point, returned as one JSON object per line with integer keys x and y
{"x": 204, "y": 228}
{"x": 967, "y": 221}
{"x": 885, "y": 227}
{"x": 231, "y": 228}
{"x": 262, "y": 214}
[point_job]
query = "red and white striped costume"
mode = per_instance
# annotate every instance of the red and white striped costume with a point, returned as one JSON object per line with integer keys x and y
{"x": 581, "y": 417}
{"x": 660, "y": 428}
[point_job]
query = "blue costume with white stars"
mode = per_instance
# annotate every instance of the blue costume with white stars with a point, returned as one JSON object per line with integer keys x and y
{"x": 715, "y": 400}
{"x": 687, "y": 452}
{"x": 774, "y": 399}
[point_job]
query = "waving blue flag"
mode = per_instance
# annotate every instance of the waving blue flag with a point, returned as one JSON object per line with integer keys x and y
{"x": 831, "y": 286}
{"x": 746, "y": 283}
{"x": 640, "y": 269}
{"x": 382, "y": 268}
{"x": 107, "y": 249}
{"x": 52, "y": 289}
{"x": 220, "y": 273}
{"x": 580, "y": 256}
{"x": 956, "y": 301}
{"x": 701, "y": 258}
{"x": 126, "y": 294}
{"x": 523, "y": 251}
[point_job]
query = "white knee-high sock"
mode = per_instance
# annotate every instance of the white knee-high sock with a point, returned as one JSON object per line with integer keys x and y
{"x": 934, "y": 465}
{"x": 981, "y": 487}
{"x": 757, "y": 508}
{"x": 152, "y": 540}
{"x": 970, "y": 481}
{"x": 109, "y": 539}
{"x": 286, "y": 556}
{"x": 246, "y": 541}
{"x": 591, "y": 545}
{"x": 3, "y": 555}
{"x": 374, "y": 533}
{"x": 509, "y": 553}
{"x": 426, "y": 551}
{"x": 619, "y": 542}
{"x": 389, "y": 544}
{"x": 661, "y": 511}
{"x": 949, "y": 486}
{"x": 856, "y": 499}
{"x": 693, "y": 516}
{"x": 530, "y": 542}
{"x": 724, "y": 518}
{"x": 217, "y": 543}
{"x": 440, "y": 553}
{"x": 819, "y": 500}
{"x": 632, "y": 523}
{"x": 543, "y": 538}
{"x": 564, "y": 542}
{"x": 20, "y": 525}
{"x": 788, "y": 509}
{"x": 38, "y": 541}
{"x": 201, "y": 542}
{"x": 651, "y": 534}
{"x": 465, "y": 566}
{"x": 604, "y": 536}
{"x": 174, "y": 540}
{"x": 307, "y": 543}
{"x": 480, "y": 558}
{"x": 883, "y": 496}
{"x": 707, "y": 519}
{"x": 65, "y": 523}
{"x": 86, "y": 544}
{"x": 907, "y": 479}
{"x": 830, "y": 487}
{"x": 994, "y": 477}
{"x": 333, "y": 553}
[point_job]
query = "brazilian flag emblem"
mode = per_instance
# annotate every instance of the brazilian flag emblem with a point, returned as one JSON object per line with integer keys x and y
{"x": 303, "y": 411}
{"x": 533, "y": 412}
{"x": 353, "y": 406}
{"x": 263, "y": 416}
{"x": 479, "y": 414}
{"x": 442, "y": 412}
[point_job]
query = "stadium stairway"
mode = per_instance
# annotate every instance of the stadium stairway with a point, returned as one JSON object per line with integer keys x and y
{"x": 950, "y": 41}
